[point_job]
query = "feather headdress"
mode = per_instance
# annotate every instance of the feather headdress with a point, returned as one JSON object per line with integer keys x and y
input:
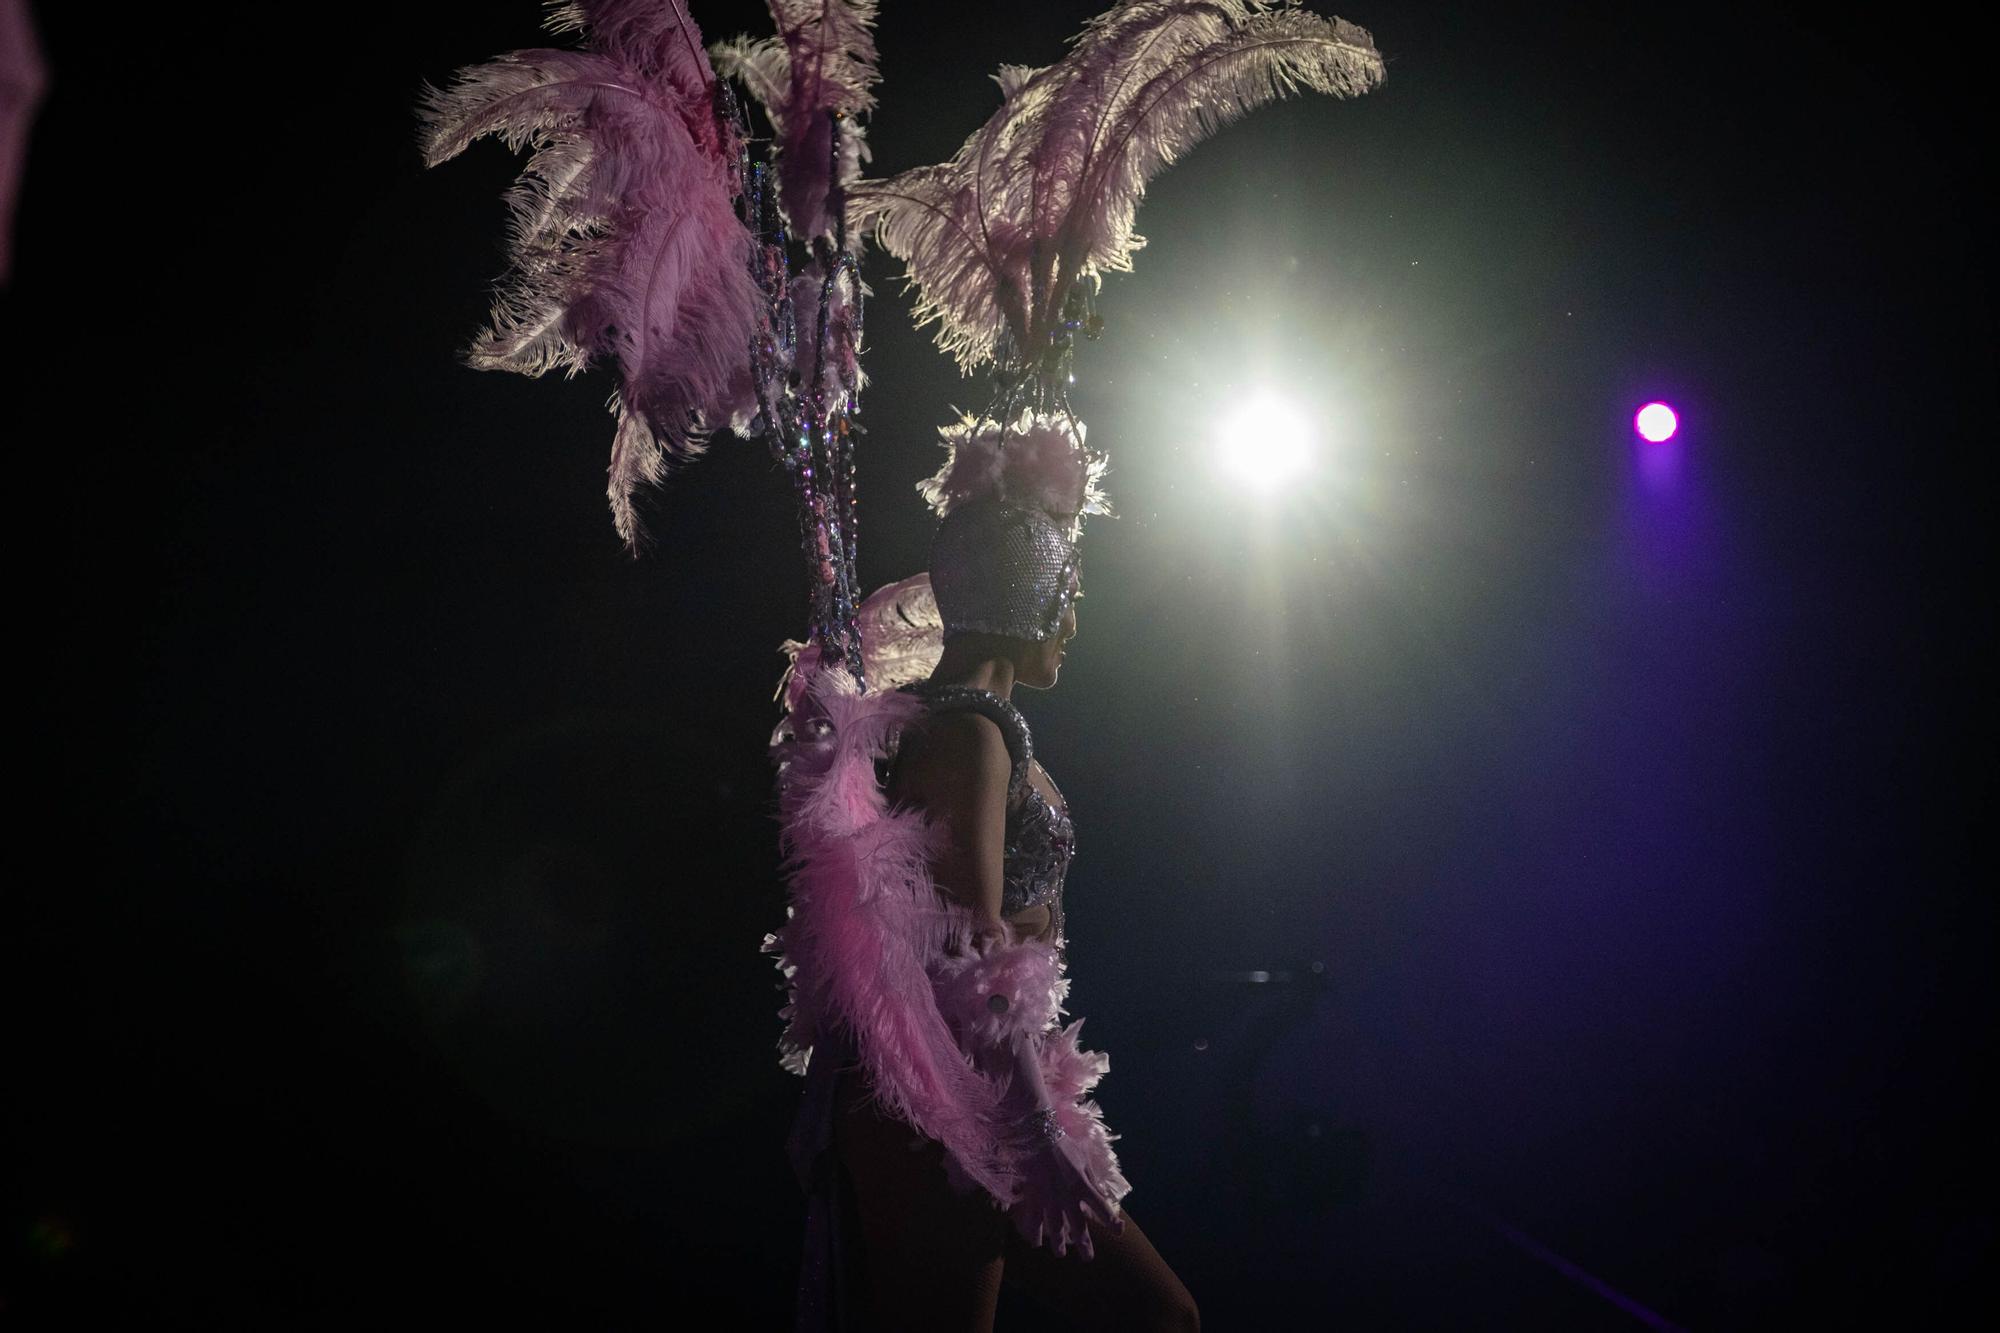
{"x": 1036, "y": 459}
{"x": 1043, "y": 195}
{"x": 624, "y": 237}
{"x": 813, "y": 79}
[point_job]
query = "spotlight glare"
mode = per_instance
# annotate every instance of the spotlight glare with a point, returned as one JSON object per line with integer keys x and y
{"x": 1656, "y": 422}
{"x": 1266, "y": 442}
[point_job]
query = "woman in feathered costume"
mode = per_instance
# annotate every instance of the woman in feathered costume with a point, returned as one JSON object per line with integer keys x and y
{"x": 946, "y": 1138}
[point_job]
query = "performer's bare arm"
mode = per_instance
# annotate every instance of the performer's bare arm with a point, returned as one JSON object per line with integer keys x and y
{"x": 958, "y": 772}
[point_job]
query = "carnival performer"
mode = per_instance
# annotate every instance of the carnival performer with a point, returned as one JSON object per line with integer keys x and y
{"x": 943, "y": 769}
{"x": 945, "y": 1139}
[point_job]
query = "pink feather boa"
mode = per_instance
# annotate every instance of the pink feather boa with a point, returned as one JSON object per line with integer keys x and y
{"x": 1028, "y": 975}
{"x": 870, "y": 945}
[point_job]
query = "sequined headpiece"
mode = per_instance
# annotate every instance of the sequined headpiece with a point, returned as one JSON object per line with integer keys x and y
{"x": 1008, "y": 569}
{"x": 1012, "y": 496}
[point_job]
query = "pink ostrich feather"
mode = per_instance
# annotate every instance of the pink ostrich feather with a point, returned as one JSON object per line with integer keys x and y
{"x": 866, "y": 922}
{"x": 1070, "y": 1072}
{"x": 1028, "y": 975}
{"x": 869, "y": 944}
{"x": 1039, "y": 459}
{"x": 24, "y": 79}
{"x": 1045, "y": 193}
{"x": 623, "y": 236}
{"x": 814, "y": 79}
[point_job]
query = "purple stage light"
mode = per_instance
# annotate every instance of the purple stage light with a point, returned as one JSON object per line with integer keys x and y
{"x": 1656, "y": 422}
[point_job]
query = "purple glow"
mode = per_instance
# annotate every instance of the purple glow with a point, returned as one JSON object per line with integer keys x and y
{"x": 1656, "y": 422}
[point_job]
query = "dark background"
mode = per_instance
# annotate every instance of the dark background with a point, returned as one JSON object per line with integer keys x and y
{"x": 392, "y": 851}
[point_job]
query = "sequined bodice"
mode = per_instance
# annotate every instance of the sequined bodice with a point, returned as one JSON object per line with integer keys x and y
{"x": 1040, "y": 840}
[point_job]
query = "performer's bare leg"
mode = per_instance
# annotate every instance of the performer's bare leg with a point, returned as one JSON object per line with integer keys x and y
{"x": 935, "y": 1259}
{"x": 1125, "y": 1285}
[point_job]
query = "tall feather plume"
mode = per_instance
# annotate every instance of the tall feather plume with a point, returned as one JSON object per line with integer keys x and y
{"x": 1044, "y": 194}
{"x": 623, "y": 239}
{"x": 813, "y": 79}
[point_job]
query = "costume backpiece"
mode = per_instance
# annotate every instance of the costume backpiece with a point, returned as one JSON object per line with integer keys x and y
{"x": 648, "y": 229}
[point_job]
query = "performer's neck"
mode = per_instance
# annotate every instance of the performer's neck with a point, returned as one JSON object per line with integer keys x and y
{"x": 979, "y": 670}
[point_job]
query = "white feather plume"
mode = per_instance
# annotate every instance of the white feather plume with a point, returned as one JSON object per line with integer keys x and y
{"x": 1045, "y": 192}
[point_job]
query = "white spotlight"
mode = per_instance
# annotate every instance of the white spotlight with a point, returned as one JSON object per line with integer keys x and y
{"x": 1266, "y": 442}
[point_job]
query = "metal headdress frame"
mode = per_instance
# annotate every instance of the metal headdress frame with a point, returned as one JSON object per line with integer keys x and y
{"x": 811, "y": 431}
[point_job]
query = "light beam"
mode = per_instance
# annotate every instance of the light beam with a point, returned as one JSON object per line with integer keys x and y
{"x": 1266, "y": 442}
{"x": 1656, "y": 422}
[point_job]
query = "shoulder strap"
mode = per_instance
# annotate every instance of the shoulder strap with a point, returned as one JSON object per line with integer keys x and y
{"x": 1013, "y": 727}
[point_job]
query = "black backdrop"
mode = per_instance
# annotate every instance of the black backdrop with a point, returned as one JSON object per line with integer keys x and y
{"x": 392, "y": 851}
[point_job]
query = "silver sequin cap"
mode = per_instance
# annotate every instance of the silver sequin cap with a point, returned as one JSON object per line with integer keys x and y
{"x": 999, "y": 568}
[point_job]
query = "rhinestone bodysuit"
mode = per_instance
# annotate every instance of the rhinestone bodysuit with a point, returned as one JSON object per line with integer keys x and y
{"x": 1040, "y": 839}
